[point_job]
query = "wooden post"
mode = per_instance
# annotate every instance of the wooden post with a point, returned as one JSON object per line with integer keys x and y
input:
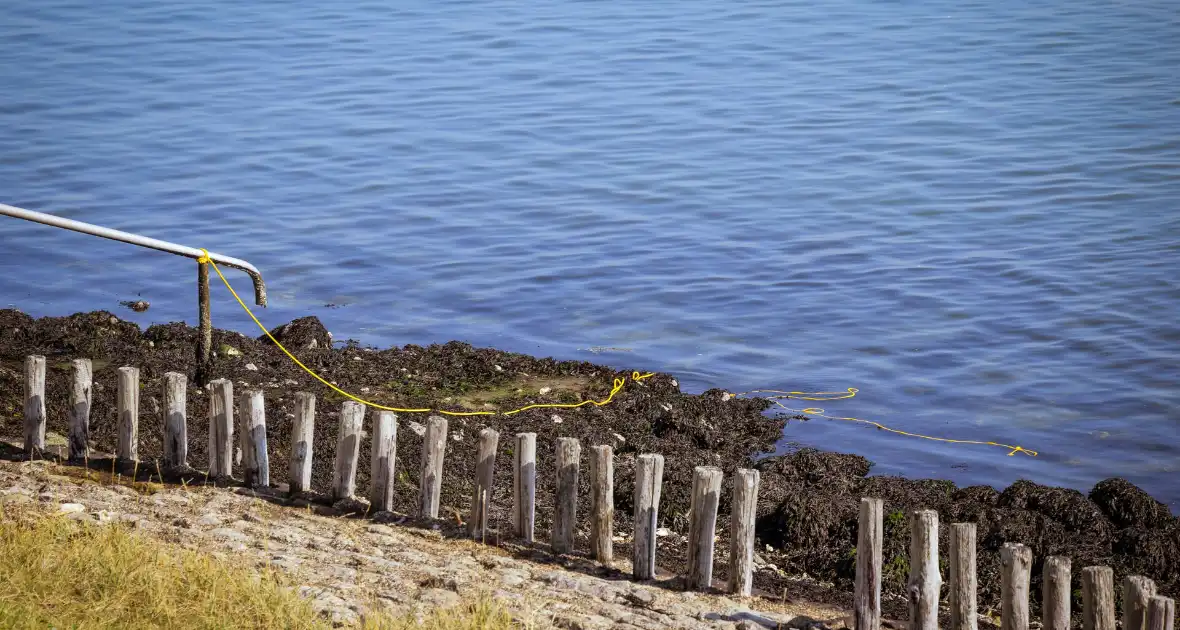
{"x": 962, "y": 577}
{"x": 602, "y": 503}
{"x": 1055, "y": 593}
{"x": 1161, "y": 613}
{"x": 1097, "y": 598}
{"x": 348, "y": 450}
{"x": 925, "y": 580}
{"x": 485, "y": 467}
{"x": 741, "y": 531}
{"x": 434, "y": 447}
{"x": 702, "y": 526}
{"x": 383, "y": 462}
{"x": 175, "y": 420}
{"x": 204, "y": 326}
{"x": 569, "y": 452}
{"x": 649, "y": 477}
{"x": 524, "y": 485}
{"x": 1015, "y": 564}
{"x": 867, "y": 593}
{"x": 302, "y": 437}
{"x": 34, "y": 405}
{"x": 221, "y": 428}
{"x": 80, "y": 399}
{"x": 128, "y": 410}
{"x": 1137, "y": 592}
{"x": 255, "y": 459}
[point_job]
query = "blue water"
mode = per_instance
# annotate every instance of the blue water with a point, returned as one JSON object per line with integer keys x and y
{"x": 968, "y": 210}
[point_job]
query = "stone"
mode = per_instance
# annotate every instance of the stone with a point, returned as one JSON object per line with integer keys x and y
{"x": 440, "y": 597}
{"x": 70, "y": 508}
{"x": 226, "y": 533}
{"x": 303, "y": 333}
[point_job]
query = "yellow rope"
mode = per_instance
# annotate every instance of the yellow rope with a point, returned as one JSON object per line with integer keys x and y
{"x": 617, "y": 386}
{"x": 618, "y": 382}
{"x": 819, "y": 412}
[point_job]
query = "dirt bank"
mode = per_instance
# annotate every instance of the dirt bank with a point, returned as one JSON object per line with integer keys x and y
{"x": 807, "y": 507}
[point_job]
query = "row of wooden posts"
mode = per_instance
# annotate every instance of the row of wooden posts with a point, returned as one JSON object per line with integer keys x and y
{"x": 1143, "y": 609}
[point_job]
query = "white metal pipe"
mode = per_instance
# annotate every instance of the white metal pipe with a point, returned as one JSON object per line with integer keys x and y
{"x": 142, "y": 241}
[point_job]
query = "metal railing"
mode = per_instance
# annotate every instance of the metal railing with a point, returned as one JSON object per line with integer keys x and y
{"x": 205, "y": 339}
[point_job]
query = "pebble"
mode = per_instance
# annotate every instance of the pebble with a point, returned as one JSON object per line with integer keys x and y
{"x": 251, "y": 367}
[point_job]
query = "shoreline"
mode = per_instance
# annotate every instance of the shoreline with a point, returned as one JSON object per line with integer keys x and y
{"x": 807, "y": 504}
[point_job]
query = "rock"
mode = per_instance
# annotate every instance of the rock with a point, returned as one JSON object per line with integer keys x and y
{"x": 418, "y": 429}
{"x": 439, "y": 598}
{"x": 71, "y": 508}
{"x": 211, "y": 519}
{"x": 251, "y": 367}
{"x": 302, "y": 333}
{"x": 226, "y": 533}
{"x": 1126, "y": 505}
{"x": 328, "y": 605}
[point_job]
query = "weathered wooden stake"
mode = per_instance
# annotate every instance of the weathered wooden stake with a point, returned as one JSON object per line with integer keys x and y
{"x": 1015, "y": 564}
{"x": 602, "y": 503}
{"x": 348, "y": 450}
{"x": 741, "y": 531}
{"x": 255, "y": 460}
{"x": 1097, "y": 598}
{"x": 485, "y": 467}
{"x": 127, "y": 448}
{"x": 569, "y": 452}
{"x": 302, "y": 436}
{"x": 867, "y": 592}
{"x": 1161, "y": 613}
{"x": 34, "y": 405}
{"x": 1137, "y": 592}
{"x": 80, "y": 399}
{"x": 221, "y": 428}
{"x": 702, "y": 526}
{"x": 649, "y": 477}
{"x": 175, "y": 420}
{"x": 524, "y": 485}
{"x": 925, "y": 580}
{"x": 383, "y": 462}
{"x": 434, "y": 446}
{"x": 1055, "y": 593}
{"x": 962, "y": 577}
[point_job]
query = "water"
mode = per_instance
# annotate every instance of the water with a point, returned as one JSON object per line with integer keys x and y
{"x": 968, "y": 210}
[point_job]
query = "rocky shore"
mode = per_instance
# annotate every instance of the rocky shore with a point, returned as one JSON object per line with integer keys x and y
{"x": 807, "y": 505}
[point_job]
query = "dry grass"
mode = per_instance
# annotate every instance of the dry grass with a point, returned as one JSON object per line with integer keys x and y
{"x": 64, "y": 574}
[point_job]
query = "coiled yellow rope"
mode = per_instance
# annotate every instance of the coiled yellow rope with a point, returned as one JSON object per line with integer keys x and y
{"x": 618, "y": 382}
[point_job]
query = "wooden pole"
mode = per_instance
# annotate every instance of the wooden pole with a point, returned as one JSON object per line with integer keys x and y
{"x": 80, "y": 399}
{"x": 204, "y": 327}
{"x": 128, "y": 409}
{"x": 1097, "y": 598}
{"x": 175, "y": 420}
{"x": 302, "y": 437}
{"x": 1055, "y": 593}
{"x": 867, "y": 593}
{"x": 524, "y": 485}
{"x": 256, "y": 460}
{"x": 1015, "y": 564}
{"x": 485, "y": 467}
{"x": 34, "y": 405}
{"x": 569, "y": 452}
{"x": 962, "y": 577}
{"x": 702, "y": 526}
{"x": 434, "y": 446}
{"x": 1137, "y": 593}
{"x": 348, "y": 450}
{"x": 925, "y": 580}
{"x": 741, "y": 531}
{"x": 602, "y": 503}
{"x": 383, "y": 462}
{"x": 649, "y": 477}
{"x": 221, "y": 428}
{"x": 1161, "y": 613}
